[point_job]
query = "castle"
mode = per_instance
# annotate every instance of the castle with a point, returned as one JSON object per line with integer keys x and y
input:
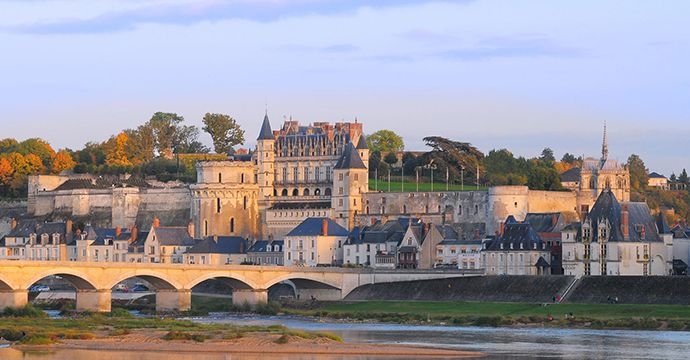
{"x": 297, "y": 172}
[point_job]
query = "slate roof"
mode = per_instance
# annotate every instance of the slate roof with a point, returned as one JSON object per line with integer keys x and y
{"x": 390, "y": 231}
{"x": 542, "y": 263}
{"x": 639, "y": 216}
{"x": 546, "y": 222}
{"x": 312, "y": 227}
{"x": 362, "y": 143}
{"x": 265, "y": 245}
{"x": 219, "y": 245}
{"x": 266, "y": 133}
{"x": 173, "y": 236}
{"x": 137, "y": 245}
{"x": 27, "y": 227}
{"x": 656, "y": 175}
{"x": 350, "y": 159}
{"x": 517, "y": 234}
{"x": 572, "y": 175}
{"x": 103, "y": 182}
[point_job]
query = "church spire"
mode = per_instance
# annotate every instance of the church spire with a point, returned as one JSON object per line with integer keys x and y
{"x": 605, "y": 145}
{"x": 266, "y": 133}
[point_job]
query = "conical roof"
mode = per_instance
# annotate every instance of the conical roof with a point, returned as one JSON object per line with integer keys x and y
{"x": 266, "y": 133}
{"x": 362, "y": 143}
{"x": 350, "y": 159}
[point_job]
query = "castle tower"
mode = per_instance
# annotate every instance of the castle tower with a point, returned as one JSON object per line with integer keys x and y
{"x": 351, "y": 179}
{"x": 265, "y": 160}
{"x": 363, "y": 150}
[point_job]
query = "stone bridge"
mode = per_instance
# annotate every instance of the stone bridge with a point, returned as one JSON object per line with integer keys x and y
{"x": 173, "y": 283}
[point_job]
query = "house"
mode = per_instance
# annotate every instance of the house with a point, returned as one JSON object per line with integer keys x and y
{"x": 452, "y": 252}
{"x": 374, "y": 245}
{"x": 166, "y": 244}
{"x": 217, "y": 250}
{"x": 658, "y": 181}
{"x": 549, "y": 226}
{"x": 100, "y": 245}
{"x": 315, "y": 242}
{"x": 617, "y": 239}
{"x": 681, "y": 247}
{"x": 34, "y": 240}
{"x": 409, "y": 248}
{"x": 517, "y": 250}
{"x": 135, "y": 250}
{"x": 266, "y": 253}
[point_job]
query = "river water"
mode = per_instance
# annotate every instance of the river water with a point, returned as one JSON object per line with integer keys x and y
{"x": 496, "y": 343}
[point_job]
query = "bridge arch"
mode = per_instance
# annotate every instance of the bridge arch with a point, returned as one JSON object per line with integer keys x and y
{"x": 234, "y": 280}
{"x": 159, "y": 280}
{"x": 78, "y": 279}
{"x": 303, "y": 279}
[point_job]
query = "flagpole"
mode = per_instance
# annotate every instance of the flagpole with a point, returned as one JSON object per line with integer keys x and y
{"x": 447, "y": 178}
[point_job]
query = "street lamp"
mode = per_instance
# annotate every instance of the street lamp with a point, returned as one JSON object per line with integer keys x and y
{"x": 462, "y": 177}
{"x": 431, "y": 167}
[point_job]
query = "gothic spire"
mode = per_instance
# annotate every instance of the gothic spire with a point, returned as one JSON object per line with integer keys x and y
{"x": 605, "y": 145}
{"x": 266, "y": 133}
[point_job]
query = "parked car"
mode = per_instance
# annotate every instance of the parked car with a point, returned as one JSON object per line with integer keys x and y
{"x": 121, "y": 288}
{"x": 139, "y": 288}
{"x": 39, "y": 288}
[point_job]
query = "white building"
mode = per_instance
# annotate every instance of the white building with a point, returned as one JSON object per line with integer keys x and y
{"x": 518, "y": 250}
{"x": 315, "y": 242}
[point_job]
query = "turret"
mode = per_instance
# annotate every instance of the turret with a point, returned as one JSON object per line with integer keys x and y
{"x": 363, "y": 150}
{"x": 350, "y": 181}
{"x": 265, "y": 159}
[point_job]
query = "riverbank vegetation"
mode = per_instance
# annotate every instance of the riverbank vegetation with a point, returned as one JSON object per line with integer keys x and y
{"x": 598, "y": 316}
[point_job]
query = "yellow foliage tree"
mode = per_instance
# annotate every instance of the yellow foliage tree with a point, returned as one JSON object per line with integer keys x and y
{"x": 116, "y": 153}
{"x": 62, "y": 161}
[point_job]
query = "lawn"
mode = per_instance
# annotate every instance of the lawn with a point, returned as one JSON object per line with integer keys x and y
{"x": 410, "y": 186}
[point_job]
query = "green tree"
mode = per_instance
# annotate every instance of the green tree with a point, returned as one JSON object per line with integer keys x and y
{"x": 38, "y": 147}
{"x": 391, "y": 158}
{"x": 141, "y": 145}
{"x": 454, "y": 156}
{"x": 8, "y": 145}
{"x": 224, "y": 130}
{"x": 638, "y": 173}
{"x": 188, "y": 141}
{"x": 385, "y": 141}
{"x": 547, "y": 157}
{"x": 165, "y": 130}
{"x": 683, "y": 177}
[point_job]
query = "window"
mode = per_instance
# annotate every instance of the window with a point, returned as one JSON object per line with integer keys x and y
{"x": 152, "y": 250}
{"x": 340, "y": 191}
{"x": 232, "y": 225}
{"x": 356, "y": 177}
{"x": 245, "y": 202}
{"x": 220, "y": 177}
{"x": 317, "y": 174}
{"x": 295, "y": 174}
{"x": 340, "y": 202}
{"x": 340, "y": 177}
{"x": 218, "y": 205}
{"x": 328, "y": 174}
{"x": 306, "y": 174}
{"x": 459, "y": 210}
{"x": 476, "y": 209}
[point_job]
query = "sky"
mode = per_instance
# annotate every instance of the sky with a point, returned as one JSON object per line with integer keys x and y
{"x": 498, "y": 74}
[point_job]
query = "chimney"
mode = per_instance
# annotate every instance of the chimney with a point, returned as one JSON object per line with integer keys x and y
{"x": 13, "y": 223}
{"x": 554, "y": 219}
{"x": 118, "y": 231}
{"x": 135, "y": 233}
{"x": 501, "y": 227}
{"x": 68, "y": 229}
{"x": 324, "y": 227}
{"x": 624, "y": 222}
{"x": 476, "y": 234}
{"x": 190, "y": 228}
{"x": 156, "y": 222}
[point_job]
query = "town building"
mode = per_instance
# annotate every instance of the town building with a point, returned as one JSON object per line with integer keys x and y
{"x": 315, "y": 242}
{"x": 658, "y": 181}
{"x": 266, "y": 253}
{"x": 35, "y": 240}
{"x": 517, "y": 250}
{"x": 217, "y": 250}
{"x": 374, "y": 245}
{"x": 617, "y": 239}
{"x": 167, "y": 244}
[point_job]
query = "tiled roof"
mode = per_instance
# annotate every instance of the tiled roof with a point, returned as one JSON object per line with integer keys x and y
{"x": 350, "y": 159}
{"x": 313, "y": 227}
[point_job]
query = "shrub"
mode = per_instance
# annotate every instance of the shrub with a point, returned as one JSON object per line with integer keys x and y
{"x": 283, "y": 339}
{"x": 24, "y": 311}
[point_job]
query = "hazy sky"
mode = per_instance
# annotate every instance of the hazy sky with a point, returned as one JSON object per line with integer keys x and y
{"x": 522, "y": 75}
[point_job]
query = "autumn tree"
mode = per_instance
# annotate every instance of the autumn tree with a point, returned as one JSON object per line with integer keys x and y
{"x": 141, "y": 145}
{"x": 38, "y": 147}
{"x": 224, "y": 131}
{"x": 62, "y": 161}
{"x": 385, "y": 141}
{"x": 116, "y": 154}
{"x": 8, "y": 145}
{"x": 638, "y": 173}
{"x": 165, "y": 131}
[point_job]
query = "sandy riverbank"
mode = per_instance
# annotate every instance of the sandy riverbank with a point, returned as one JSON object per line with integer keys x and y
{"x": 254, "y": 343}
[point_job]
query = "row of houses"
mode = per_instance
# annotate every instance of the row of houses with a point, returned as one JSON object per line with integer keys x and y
{"x": 614, "y": 239}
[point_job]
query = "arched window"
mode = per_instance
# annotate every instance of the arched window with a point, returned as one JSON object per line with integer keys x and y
{"x": 327, "y": 192}
{"x": 220, "y": 177}
{"x": 476, "y": 209}
{"x": 404, "y": 209}
{"x": 284, "y": 192}
{"x": 592, "y": 183}
{"x": 218, "y": 205}
{"x": 232, "y": 225}
{"x": 295, "y": 192}
{"x": 205, "y": 227}
{"x": 317, "y": 192}
{"x": 275, "y": 192}
{"x": 306, "y": 192}
{"x": 459, "y": 209}
{"x": 242, "y": 178}
{"x": 367, "y": 209}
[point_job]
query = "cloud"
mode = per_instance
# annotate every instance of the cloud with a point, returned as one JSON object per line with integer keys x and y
{"x": 509, "y": 47}
{"x": 185, "y": 14}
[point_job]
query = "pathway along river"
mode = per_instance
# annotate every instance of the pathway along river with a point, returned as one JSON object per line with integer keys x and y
{"x": 496, "y": 343}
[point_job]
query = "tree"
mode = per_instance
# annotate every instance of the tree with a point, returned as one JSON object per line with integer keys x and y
{"x": 62, "y": 161}
{"x": 224, "y": 131}
{"x": 568, "y": 158}
{"x": 385, "y": 141}
{"x": 638, "y": 173}
{"x": 683, "y": 177}
{"x": 38, "y": 147}
{"x": 547, "y": 157}
{"x": 116, "y": 154}
{"x": 454, "y": 156}
{"x": 141, "y": 145}
{"x": 391, "y": 158}
{"x": 8, "y": 145}
{"x": 165, "y": 130}
{"x": 187, "y": 141}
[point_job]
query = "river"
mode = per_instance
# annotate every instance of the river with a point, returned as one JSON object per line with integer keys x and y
{"x": 497, "y": 343}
